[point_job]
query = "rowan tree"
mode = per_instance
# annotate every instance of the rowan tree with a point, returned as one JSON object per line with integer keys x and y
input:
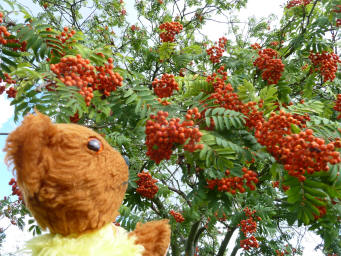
{"x": 238, "y": 134}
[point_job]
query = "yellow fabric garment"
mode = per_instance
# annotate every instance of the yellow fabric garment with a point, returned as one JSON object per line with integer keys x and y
{"x": 110, "y": 240}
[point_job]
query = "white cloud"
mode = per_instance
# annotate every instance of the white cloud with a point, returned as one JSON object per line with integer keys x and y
{"x": 6, "y": 110}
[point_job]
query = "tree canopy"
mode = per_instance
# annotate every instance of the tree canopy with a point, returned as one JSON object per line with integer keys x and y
{"x": 239, "y": 135}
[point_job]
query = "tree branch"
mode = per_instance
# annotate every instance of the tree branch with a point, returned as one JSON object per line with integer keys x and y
{"x": 179, "y": 192}
{"x": 226, "y": 241}
{"x": 189, "y": 250}
{"x": 161, "y": 208}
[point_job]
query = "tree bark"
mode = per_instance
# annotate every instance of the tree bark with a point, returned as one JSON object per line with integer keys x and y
{"x": 226, "y": 241}
{"x": 189, "y": 250}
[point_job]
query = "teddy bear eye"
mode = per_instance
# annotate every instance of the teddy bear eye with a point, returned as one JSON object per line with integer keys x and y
{"x": 94, "y": 144}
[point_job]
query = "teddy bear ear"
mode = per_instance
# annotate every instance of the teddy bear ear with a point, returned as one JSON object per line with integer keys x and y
{"x": 25, "y": 148}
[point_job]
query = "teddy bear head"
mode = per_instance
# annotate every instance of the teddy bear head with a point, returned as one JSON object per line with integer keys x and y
{"x": 72, "y": 180}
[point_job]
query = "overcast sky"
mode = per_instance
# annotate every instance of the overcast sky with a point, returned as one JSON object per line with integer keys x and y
{"x": 257, "y": 8}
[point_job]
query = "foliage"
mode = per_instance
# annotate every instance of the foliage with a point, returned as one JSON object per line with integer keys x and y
{"x": 223, "y": 105}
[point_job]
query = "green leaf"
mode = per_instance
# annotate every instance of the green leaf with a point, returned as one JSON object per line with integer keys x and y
{"x": 273, "y": 170}
{"x": 138, "y": 106}
{"x": 313, "y": 200}
{"x": 131, "y": 98}
{"x": 216, "y": 124}
{"x": 314, "y": 191}
{"x": 312, "y": 207}
{"x": 311, "y": 106}
{"x": 128, "y": 93}
{"x": 8, "y": 61}
{"x": 166, "y": 49}
{"x": 306, "y": 219}
{"x": 294, "y": 198}
{"x": 247, "y": 92}
{"x": 295, "y": 129}
{"x": 227, "y": 123}
{"x": 11, "y": 53}
{"x": 202, "y": 155}
{"x": 268, "y": 94}
{"x": 208, "y": 158}
{"x": 36, "y": 45}
{"x": 21, "y": 106}
{"x": 5, "y": 68}
{"x": 208, "y": 121}
{"x": 43, "y": 51}
{"x": 315, "y": 184}
{"x": 221, "y": 122}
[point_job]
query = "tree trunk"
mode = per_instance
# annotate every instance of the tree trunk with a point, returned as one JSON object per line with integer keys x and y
{"x": 189, "y": 251}
{"x": 226, "y": 241}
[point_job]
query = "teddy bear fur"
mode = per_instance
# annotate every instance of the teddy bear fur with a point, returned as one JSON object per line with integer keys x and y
{"x": 69, "y": 188}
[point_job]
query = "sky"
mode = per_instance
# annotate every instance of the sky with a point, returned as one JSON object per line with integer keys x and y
{"x": 6, "y": 125}
{"x": 257, "y": 8}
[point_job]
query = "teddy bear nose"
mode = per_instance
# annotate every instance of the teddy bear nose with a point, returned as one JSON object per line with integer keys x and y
{"x": 94, "y": 144}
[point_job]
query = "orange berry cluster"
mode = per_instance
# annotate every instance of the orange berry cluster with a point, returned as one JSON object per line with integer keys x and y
{"x": 302, "y": 119}
{"x": 275, "y": 184}
{"x": 15, "y": 189}
{"x": 326, "y": 63}
{"x": 271, "y": 66}
{"x": 222, "y": 42}
{"x": 216, "y": 52}
{"x": 223, "y": 218}
{"x": 22, "y": 46}
{"x": 256, "y": 46}
{"x": 11, "y": 92}
{"x": 64, "y": 38}
{"x": 163, "y": 135}
{"x": 4, "y": 34}
{"x": 294, "y": 3}
{"x": 65, "y": 35}
{"x": 3, "y": 31}
{"x": 196, "y": 253}
{"x": 274, "y": 43}
{"x": 337, "y": 106}
{"x": 338, "y": 8}
{"x": 164, "y": 88}
{"x": 171, "y": 29}
{"x": 248, "y": 227}
{"x": 76, "y": 71}
{"x": 338, "y": 22}
{"x": 182, "y": 72}
{"x": 146, "y": 185}
{"x": 299, "y": 153}
{"x": 163, "y": 102}
{"x": 134, "y": 28}
{"x": 177, "y": 216}
{"x": 74, "y": 118}
{"x": 232, "y": 184}
{"x": 226, "y": 98}
{"x": 278, "y": 253}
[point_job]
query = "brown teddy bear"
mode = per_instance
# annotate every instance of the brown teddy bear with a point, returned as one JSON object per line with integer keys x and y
{"x": 73, "y": 183}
